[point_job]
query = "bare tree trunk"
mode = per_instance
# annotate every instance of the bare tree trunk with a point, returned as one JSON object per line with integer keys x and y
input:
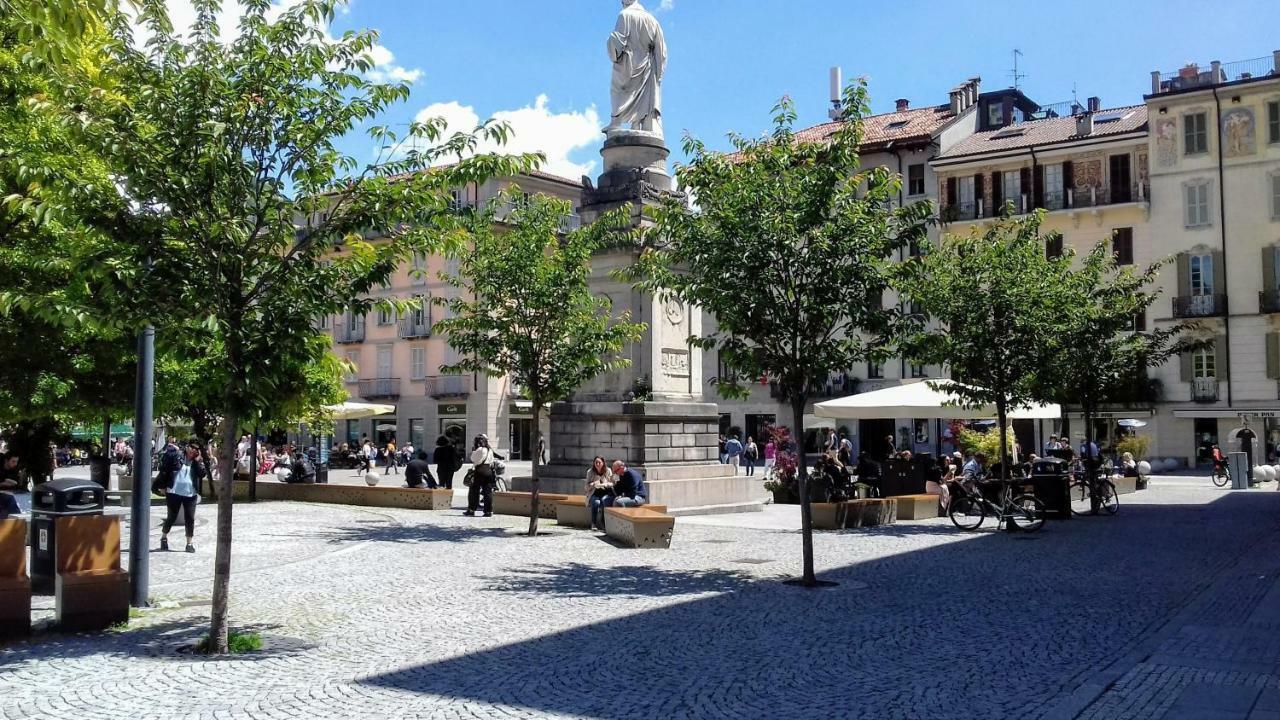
{"x": 218, "y": 629}
{"x": 808, "y": 579}
{"x": 537, "y": 466}
{"x": 1089, "y": 459}
{"x": 1002, "y": 415}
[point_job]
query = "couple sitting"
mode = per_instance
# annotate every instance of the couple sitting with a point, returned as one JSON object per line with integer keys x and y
{"x": 618, "y": 486}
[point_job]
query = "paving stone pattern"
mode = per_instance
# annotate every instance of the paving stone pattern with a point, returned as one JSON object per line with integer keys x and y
{"x": 373, "y": 613}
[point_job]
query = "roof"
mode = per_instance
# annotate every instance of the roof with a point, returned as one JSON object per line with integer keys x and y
{"x": 1128, "y": 119}
{"x": 917, "y": 125}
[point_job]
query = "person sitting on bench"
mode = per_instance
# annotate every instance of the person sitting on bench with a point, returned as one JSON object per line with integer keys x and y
{"x": 419, "y": 470}
{"x": 628, "y": 486}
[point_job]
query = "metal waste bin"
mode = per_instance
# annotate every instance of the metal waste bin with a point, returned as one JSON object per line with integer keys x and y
{"x": 100, "y": 471}
{"x": 1052, "y": 484}
{"x": 50, "y": 501}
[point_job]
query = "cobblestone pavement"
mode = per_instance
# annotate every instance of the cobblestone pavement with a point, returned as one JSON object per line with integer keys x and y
{"x": 370, "y": 613}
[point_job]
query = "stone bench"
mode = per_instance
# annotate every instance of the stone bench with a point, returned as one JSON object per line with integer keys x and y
{"x": 15, "y": 586}
{"x": 91, "y": 591}
{"x": 639, "y": 527}
{"x": 1125, "y": 485}
{"x": 574, "y": 512}
{"x": 871, "y": 512}
{"x": 517, "y": 503}
{"x": 917, "y": 507}
{"x": 422, "y": 498}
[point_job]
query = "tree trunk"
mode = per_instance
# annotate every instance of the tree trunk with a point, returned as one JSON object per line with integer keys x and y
{"x": 218, "y": 630}
{"x": 1088, "y": 413}
{"x": 808, "y": 579}
{"x": 537, "y": 465}
{"x": 1002, "y": 415}
{"x": 200, "y": 427}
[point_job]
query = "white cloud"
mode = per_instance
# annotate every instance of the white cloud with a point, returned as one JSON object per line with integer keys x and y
{"x": 535, "y": 128}
{"x": 182, "y": 14}
{"x": 666, "y": 5}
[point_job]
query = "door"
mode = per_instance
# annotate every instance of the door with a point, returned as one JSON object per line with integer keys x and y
{"x": 1120, "y": 179}
{"x": 384, "y": 430}
{"x": 1206, "y": 430}
{"x": 455, "y": 430}
{"x": 872, "y": 434}
{"x": 521, "y": 438}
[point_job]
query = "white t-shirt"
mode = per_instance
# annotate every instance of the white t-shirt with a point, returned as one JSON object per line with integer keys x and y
{"x": 481, "y": 456}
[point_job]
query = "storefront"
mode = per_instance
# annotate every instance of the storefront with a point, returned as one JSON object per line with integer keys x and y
{"x": 521, "y": 435}
{"x": 453, "y": 423}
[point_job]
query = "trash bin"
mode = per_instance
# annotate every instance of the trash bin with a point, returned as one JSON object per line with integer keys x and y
{"x": 50, "y": 501}
{"x": 322, "y": 473}
{"x": 100, "y": 471}
{"x": 1052, "y": 484}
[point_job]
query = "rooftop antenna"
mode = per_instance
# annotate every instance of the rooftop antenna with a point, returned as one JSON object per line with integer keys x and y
{"x": 1017, "y": 76}
{"x": 837, "y": 100}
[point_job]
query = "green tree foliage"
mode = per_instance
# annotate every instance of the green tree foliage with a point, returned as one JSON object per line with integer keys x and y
{"x": 525, "y": 310}
{"x": 819, "y": 232}
{"x": 995, "y": 302}
{"x": 256, "y": 222}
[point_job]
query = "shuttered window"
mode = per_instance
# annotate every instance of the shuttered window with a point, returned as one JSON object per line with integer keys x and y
{"x": 1204, "y": 364}
{"x": 1053, "y": 247}
{"x": 1273, "y": 122}
{"x": 1275, "y": 196}
{"x": 1012, "y": 190}
{"x": 353, "y": 357}
{"x": 1273, "y": 356}
{"x": 1197, "y": 203}
{"x": 417, "y": 363}
{"x": 1202, "y": 275}
{"x": 915, "y": 179}
{"x": 1122, "y": 245}
{"x": 1195, "y": 134}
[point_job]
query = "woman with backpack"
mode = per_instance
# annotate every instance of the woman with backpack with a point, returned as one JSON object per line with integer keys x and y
{"x": 483, "y": 476}
{"x": 181, "y": 481}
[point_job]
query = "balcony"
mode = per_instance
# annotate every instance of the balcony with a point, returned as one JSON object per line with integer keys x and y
{"x": 960, "y": 211}
{"x": 1204, "y": 390}
{"x": 448, "y": 386}
{"x": 347, "y": 333}
{"x": 1103, "y": 195}
{"x": 837, "y": 386}
{"x": 1269, "y": 301}
{"x": 378, "y": 388}
{"x": 1197, "y": 306}
{"x": 411, "y": 328}
{"x": 1194, "y": 75}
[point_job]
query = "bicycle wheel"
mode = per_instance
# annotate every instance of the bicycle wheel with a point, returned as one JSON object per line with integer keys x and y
{"x": 1109, "y": 502}
{"x": 1220, "y": 477}
{"x": 1079, "y": 494}
{"x": 967, "y": 513}
{"x": 1027, "y": 513}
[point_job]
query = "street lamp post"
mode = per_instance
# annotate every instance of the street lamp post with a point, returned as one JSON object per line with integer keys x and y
{"x": 140, "y": 519}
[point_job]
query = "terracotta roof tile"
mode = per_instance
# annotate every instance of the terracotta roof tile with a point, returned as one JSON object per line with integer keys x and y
{"x": 1044, "y": 132}
{"x": 917, "y": 124}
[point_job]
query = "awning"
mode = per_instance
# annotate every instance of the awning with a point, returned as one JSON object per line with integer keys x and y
{"x": 813, "y": 422}
{"x": 921, "y": 399}
{"x": 357, "y": 410}
{"x": 91, "y": 432}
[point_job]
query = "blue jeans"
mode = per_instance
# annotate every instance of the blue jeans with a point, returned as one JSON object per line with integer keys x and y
{"x": 624, "y": 501}
{"x": 598, "y": 503}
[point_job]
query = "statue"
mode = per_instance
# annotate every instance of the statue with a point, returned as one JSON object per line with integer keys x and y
{"x": 639, "y": 56}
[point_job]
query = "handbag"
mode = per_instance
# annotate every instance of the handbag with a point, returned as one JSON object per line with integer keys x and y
{"x": 469, "y": 478}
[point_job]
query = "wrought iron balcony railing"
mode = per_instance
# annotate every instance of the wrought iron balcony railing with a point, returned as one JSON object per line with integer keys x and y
{"x": 371, "y": 388}
{"x": 1204, "y": 390}
{"x": 448, "y": 386}
{"x": 1194, "y": 306}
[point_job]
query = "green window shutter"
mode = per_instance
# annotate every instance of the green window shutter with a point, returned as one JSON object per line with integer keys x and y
{"x": 1185, "y": 372}
{"x": 1273, "y": 356}
{"x": 1221, "y": 368}
{"x": 1219, "y": 273}
{"x": 1269, "y": 268}
{"x": 1184, "y": 274}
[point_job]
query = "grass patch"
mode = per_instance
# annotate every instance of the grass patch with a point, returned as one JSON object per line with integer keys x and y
{"x": 237, "y": 643}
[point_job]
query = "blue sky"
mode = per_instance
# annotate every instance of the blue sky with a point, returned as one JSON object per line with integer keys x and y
{"x": 542, "y": 65}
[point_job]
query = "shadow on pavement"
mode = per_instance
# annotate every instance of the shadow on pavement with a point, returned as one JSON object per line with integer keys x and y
{"x": 579, "y": 580}
{"x": 409, "y": 534}
{"x": 161, "y": 638}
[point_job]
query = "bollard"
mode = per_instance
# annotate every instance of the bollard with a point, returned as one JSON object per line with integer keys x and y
{"x": 1239, "y": 464}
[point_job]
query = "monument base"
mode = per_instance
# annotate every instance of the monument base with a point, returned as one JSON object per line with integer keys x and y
{"x": 674, "y": 445}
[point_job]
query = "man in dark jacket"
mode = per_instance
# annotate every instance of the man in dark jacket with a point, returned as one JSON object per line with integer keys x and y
{"x": 419, "y": 470}
{"x": 447, "y": 461}
{"x": 628, "y": 486}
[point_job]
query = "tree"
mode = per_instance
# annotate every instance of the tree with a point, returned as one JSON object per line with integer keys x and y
{"x": 995, "y": 302}
{"x": 526, "y": 310}
{"x": 819, "y": 232}
{"x": 1098, "y": 354}
{"x": 256, "y": 222}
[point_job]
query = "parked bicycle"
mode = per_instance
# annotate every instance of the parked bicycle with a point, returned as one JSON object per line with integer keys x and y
{"x": 1024, "y": 511}
{"x": 1092, "y": 492}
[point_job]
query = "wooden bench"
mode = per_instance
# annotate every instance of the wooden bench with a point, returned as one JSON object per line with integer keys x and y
{"x": 573, "y": 511}
{"x": 828, "y": 515}
{"x": 639, "y": 527}
{"x": 422, "y": 498}
{"x": 91, "y": 591}
{"x": 917, "y": 507}
{"x": 15, "y": 586}
{"x": 871, "y": 512}
{"x": 517, "y": 503}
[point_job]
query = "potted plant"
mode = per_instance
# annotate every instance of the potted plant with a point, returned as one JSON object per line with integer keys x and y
{"x": 1136, "y": 445}
{"x": 782, "y": 480}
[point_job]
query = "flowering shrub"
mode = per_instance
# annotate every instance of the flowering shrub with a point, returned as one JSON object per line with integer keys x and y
{"x": 785, "y": 461}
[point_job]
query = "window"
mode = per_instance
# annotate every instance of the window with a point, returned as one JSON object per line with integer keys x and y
{"x": 915, "y": 179}
{"x": 355, "y": 321}
{"x": 1204, "y": 365}
{"x": 1273, "y": 122}
{"x": 1195, "y": 134}
{"x": 1011, "y": 189}
{"x": 384, "y": 361}
{"x": 919, "y": 371}
{"x": 1053, "y": 247}
{"x": 1122, "y": 245}
{"x": 325, "y": 323}
{"x": 419, "y": 273}
{"x": 385, "y": 316}
{"x": 353, "y": 357}
{"x": 1275, "y": 196}
{"x": 875, "y": 371}
{"x": 1053, "y": 195}
{"x": 1197, "y": 200}
{"x": 459, "y": 200}
{"x": 417, "y": 363}
{"x": 964, "y": 194}
{"x": 1201, "y": 274}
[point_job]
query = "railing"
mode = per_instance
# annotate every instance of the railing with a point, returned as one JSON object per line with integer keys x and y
{"x": 834, "y": 387}
{"x": 412, "y": 328}
{"x": 1056, "y": 110}
{"x": 1055, "y": 200}
{"x": 1214, "y": 73}
{"x": 442, "y": 386}
{"x": 380, "y": 388}
{"x": 345, "y": 333}
{"x": 961, "y": 211}
{"x": 1269, "y": 301}
{"x": 1193, "y": 306}
{"x": 1204, "y": 390}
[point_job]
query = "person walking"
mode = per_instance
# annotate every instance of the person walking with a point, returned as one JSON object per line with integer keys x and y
{"x": 750, "y": 453}
{"x": 770, "y": 453}
{"x": 483, "y": 478}
{"x": 390, "y": 452}
{"x": 181, "y": 481}
{"x": 733, "y": 451}
{"x": 447, "y": 461}
{"x": 367, "y": 454}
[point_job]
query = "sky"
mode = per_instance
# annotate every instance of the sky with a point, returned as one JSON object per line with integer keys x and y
{"x": 541, "y": 64}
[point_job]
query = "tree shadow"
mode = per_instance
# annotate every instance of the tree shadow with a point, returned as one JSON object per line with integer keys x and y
{"x": 409, "y": 534}
{"x": 171, "y": 638}
{"x": 578, "y": 580}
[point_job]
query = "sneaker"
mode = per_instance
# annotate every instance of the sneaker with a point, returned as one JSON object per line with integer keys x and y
{"x": 191, "y": 548}
{"x": 164, "y": 544}
{"x": 469, "y": 513}
{"x": 488, "y": 514}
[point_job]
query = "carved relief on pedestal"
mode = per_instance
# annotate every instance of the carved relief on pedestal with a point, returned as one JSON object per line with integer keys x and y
{"x": 675, "y": 363}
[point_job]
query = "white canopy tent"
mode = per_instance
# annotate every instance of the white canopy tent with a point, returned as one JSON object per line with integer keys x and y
{"x": 356, "y": 410}
{"x": 921, "y": 399}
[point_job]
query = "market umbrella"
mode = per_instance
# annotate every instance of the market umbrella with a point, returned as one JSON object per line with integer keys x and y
{"x": 1132, "y": 423}
{"x": 356, "y": 410}
{"x": 921, "y": 399}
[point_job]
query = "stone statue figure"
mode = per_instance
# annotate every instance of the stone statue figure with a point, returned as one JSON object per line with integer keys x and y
{"x": 639, "y": 56}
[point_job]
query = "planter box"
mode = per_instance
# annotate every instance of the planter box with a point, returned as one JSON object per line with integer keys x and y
{"x": 871, "y": 512}
{"x": 827, "y": 516}
{"x": 1125, "y": 485}
{"x": 785, "y": 497}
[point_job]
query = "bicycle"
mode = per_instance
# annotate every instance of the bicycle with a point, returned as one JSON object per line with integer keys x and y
{"x": 1024, "y": 511}
{"x": 1220, "y": 474}
{"x": 1094, "y": 488}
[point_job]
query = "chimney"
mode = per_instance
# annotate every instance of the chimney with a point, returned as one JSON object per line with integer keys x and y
{"x": 1155, "y": 76}
{"x": 956, "y": 100}
{"x": 976, "y": 82}
{"x": 970, "y": 96}
{"x": 1275, "y": 60}
{"x": 1215, "y": 72}
{"x": 1084, "y": 124}
{"x": 837, "y": 94}
{"x": 1095, "y": 104}
{"x": 902, "y": 104}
